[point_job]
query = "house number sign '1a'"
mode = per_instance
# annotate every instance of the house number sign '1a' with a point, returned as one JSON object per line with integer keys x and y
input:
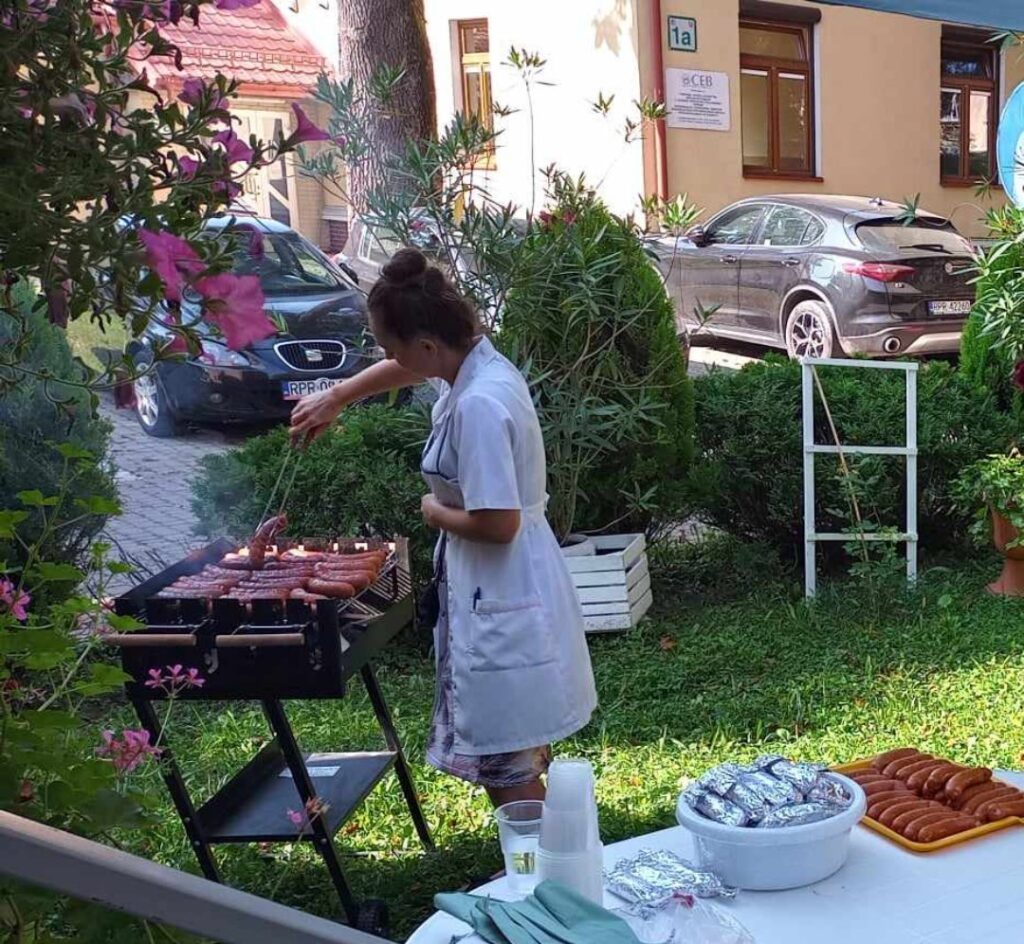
{"x": 682, "y": 33}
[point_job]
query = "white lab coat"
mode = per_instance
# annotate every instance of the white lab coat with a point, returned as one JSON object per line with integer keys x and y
{"x": 520, "y": 664}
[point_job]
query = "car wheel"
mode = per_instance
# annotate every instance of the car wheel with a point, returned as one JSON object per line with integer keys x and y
{"x": 809, "y": 331}
{"x": 152, "y": 409}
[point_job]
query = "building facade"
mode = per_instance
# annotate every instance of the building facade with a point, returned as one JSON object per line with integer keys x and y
{"x": 761, "y": 96}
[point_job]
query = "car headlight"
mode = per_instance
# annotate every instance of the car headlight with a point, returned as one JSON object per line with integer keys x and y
{"x": 219, "y": 355}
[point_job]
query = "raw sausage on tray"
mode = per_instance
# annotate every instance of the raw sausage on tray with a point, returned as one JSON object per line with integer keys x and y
{"x": 880, "y": 762}
{"x": 933, "y": 832}
{"x": 966, "y": 778}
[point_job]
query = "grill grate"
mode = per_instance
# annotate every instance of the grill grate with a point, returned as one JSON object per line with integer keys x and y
{"x": 313, "y": 356}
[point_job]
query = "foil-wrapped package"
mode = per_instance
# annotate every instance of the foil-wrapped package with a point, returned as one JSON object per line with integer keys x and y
{"x": 803, "y": 776}
{"x": 798, "y": 815}
{"x": 729, "y": 781}
{"x": 778, "y": 792}
{"x": 715, "y": 807}
{"x": 653, "y": 877}
{"x": 830, "y": 789}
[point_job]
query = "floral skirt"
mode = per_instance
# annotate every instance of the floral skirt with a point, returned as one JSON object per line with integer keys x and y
{"x": 487, "y": 770}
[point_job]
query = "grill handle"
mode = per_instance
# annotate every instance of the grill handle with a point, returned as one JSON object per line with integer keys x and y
{"x": 259, "y": 640}
{"x": 141, "y": 640}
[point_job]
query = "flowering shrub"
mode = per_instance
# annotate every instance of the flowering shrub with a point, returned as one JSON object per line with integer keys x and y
{"x": 108, "y": 183}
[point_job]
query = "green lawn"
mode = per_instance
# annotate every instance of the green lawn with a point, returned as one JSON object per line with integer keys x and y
{"x": 863, "y": 670}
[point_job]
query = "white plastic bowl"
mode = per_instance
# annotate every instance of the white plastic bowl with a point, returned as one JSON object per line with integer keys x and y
{"x": 773, "y": 859}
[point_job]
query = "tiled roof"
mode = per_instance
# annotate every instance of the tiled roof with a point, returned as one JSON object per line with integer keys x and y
{"x": 255, "y": 46}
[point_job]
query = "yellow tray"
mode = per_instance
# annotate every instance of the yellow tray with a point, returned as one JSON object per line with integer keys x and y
{"x": 954, "y": 840}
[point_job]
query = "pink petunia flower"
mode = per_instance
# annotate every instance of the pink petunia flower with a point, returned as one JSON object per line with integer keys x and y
{"x": 229, "y": 189}
{"x": 188, "y": 167}
{"x": 193, "y": 90}
{"x": 15, "y": 600}
{"x": 235, "y": 4}
{"x": 235, "y": 149}
{"x": 234, "y": 303}
{"x": 171, "y": 258}
{"x": 256, "y": 250}
{"x": 305, "y": 130}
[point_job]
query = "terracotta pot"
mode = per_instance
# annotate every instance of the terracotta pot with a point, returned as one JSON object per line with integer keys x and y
{"x": 1011, "y": 580}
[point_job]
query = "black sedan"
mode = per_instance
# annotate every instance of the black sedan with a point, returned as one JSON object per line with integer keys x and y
{"x": 823, "y": 275}
{"x": 323, "y": 339}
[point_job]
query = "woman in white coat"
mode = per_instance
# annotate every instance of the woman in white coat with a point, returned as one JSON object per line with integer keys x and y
{"x": 513, "y": 666}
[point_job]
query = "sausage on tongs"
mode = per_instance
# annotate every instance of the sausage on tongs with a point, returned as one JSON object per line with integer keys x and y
{"x": 265, "y": 533}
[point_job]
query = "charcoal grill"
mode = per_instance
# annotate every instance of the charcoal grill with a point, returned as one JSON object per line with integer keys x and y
{"x": 271, "y": 651}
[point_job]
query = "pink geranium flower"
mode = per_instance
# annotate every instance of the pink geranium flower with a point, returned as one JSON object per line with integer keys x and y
{"x": 171, "y": 258}
{"x": 129, "y": 750}
{"x": 235, "y": 149}
{"x": 305, "y": 130}
{"x": 15, "y": 600}
{"x": 234, "y": 303}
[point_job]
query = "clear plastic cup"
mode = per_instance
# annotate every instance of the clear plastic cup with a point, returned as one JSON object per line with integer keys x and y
{"x": 570, "y": 784}
{"x": 519, "y": 830}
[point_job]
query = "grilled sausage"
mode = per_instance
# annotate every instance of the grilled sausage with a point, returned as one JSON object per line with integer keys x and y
{"x": 956, "y": 784}
{"x": 265, "y": 533}
{"x": 331, "y": 588}
{"x": 947, "y": 827}
{"x": 882, "y": 760}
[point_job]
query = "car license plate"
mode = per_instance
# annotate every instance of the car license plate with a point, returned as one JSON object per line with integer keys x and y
{"x": 295, "y": 389}
{"x": 961, "y": 307}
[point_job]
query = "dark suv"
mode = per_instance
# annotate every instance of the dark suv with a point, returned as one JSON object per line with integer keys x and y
{"x": 823, "y": 275}
{"x": 323, "y": 340}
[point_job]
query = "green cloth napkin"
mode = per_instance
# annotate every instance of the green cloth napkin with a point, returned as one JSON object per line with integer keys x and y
{"x": 553, "y": 914}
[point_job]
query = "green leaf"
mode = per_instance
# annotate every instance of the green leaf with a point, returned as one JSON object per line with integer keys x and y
{"x": 35, "y": 499}
{"x": 58, "y": 572}
{"x": 124, "y": 624}
{"x": 98, "y": 505}
{"x": 9, "y": 520}
{"x": 120, "y": 567}
{"x": 71, "y": 451}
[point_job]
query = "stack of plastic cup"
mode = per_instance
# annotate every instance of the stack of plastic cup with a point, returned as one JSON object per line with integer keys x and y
{"x": 570, "y": 849}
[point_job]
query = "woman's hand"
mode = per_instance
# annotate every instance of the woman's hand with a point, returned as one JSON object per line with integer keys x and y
{"x": 315, "y": 413}
{"x": 491, "y": 526}
{"x": 433, "y": 512}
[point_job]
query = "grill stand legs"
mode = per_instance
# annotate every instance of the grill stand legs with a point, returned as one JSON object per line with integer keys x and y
{"x": 387, "y": 726}
{"x": 321, "y": 837}
{"x": 179, "y": 794}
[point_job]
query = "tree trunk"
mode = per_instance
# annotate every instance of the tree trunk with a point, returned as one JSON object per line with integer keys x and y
{"x": 376, "y": 33}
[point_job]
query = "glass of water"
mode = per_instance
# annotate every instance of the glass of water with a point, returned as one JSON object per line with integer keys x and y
{"x": 519, "y": 829}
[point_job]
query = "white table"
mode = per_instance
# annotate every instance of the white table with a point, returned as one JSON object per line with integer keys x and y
{"x": 968, "y": 894}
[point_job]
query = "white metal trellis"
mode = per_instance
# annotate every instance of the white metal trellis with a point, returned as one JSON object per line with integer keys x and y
{"x": 811, "y": 534}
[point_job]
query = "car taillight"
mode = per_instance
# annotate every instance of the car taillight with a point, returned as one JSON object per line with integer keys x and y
{"x": 880, "y": 271}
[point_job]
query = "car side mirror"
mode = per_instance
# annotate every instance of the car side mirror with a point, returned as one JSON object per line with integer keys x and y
{"x": 698, "y": 236}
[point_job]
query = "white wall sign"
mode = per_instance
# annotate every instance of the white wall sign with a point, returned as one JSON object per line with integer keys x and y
{"x": 697, "y": 99}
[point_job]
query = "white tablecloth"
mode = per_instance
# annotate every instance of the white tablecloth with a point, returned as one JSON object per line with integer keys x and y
{"x": 967, "y": 894}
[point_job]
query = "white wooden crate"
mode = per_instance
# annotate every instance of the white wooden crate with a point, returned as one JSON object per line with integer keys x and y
{"x": 613, "y": 585}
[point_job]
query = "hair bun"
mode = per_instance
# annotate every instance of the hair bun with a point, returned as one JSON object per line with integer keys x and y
{"x": 406, "y": 265}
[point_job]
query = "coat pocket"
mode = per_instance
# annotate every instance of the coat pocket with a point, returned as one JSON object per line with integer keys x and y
{"x": 510, "y": 634}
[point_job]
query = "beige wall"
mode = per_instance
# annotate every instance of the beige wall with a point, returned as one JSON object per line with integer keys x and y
{"x": 878, "y": 95}
{"x": 591, "y": 46}
{"x": 317, "y": 20}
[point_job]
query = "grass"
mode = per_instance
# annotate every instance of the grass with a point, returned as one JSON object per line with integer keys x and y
{"x": 862, "y": 670}
{"x": 85, "y": 334}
